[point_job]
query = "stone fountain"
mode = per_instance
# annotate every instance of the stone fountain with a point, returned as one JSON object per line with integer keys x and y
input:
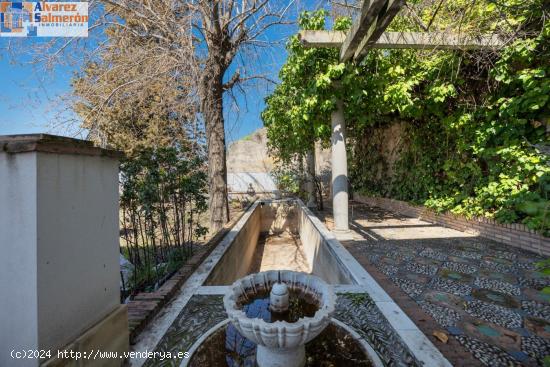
{"x": 280, "y": 343}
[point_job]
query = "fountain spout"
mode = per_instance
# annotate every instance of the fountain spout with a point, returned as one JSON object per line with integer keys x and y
{"x": 278, "y": 298}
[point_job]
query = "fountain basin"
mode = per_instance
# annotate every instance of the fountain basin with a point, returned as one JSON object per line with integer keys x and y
{"x": 279, "y": 235}
{"x": 280, "y": 343}
{"x": 338, "y": 345}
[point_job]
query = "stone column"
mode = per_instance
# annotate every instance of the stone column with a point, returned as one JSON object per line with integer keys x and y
{"x": 59, "y": 268}
{"x": 339, "y": 170}
{"x": 310, "y": 167}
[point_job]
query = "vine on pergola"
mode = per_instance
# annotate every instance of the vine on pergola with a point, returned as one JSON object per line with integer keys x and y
{"x": 474, "y": 121}
{"x": 299, "y": 109}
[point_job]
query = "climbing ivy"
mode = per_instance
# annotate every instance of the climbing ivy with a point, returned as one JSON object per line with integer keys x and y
{"x": 474, "y": 123}
{"x": 300, "y": 106}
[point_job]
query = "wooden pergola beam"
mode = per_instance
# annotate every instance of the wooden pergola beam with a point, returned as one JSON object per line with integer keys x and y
{"x": 370, "y": 10}
{"x": 330, "y": 39}
{"x": 386, "y": 15}
{"x": 401, "y": 40}
{"x": 440, "y": 41}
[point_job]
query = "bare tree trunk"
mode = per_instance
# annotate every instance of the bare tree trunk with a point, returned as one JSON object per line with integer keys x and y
{"x": 212, "y": 109}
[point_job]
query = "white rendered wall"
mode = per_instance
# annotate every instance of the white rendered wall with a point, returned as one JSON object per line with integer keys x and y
{"x": 320, "y": 257}
{"x": 78, "y": 253}
{"x": 59, "y": 270}
{"x": 18, "y": 303}
{"x": 261, "y": 181}
{"x": 238, "y": 258}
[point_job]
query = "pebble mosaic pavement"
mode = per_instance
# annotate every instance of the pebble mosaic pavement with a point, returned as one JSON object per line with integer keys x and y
{"x": 485, "y": 294}
{"x": 356, "y": 310}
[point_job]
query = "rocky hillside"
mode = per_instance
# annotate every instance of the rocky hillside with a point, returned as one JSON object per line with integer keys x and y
{"x": 248, "y": 162}
{"x": 249, "y": 154}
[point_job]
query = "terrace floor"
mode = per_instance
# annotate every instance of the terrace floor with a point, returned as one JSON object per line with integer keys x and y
{"x": 486, "y": 297}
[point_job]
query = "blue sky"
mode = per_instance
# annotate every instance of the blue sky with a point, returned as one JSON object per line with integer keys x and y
{"x": 28, "y": 100}
{"x": 243, "y": 116}
{"x": 28, "y": 97}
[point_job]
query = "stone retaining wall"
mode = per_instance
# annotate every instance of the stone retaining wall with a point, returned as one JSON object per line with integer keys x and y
{"x": 516, "y": 234}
